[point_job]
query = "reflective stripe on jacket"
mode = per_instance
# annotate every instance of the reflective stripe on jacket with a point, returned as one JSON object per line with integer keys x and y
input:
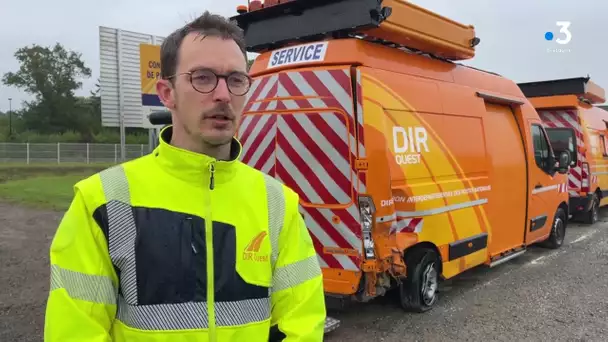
{"x": 133, "y": 255}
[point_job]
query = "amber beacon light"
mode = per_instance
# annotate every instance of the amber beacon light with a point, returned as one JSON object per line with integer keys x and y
{"x": 256, "y": 5}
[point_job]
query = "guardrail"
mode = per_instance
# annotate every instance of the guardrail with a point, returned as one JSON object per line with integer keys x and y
{"x": 58, "y": 153}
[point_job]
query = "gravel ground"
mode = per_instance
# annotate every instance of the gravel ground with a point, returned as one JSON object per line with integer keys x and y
{"x": 544, "y": 295}
{"x": 25, "y": 237}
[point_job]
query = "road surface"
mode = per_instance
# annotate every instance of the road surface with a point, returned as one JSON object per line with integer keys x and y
{"x": 544, "y": 295}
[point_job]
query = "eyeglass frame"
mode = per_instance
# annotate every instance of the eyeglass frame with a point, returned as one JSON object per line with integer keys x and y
{"x": 217, "y": 79}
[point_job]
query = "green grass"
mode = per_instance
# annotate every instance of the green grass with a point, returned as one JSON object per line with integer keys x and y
{"x": 51, "y": 192}
{"x": 10, "y": 172}
{"x": 4, "y": 166}
{"x": 43, "y": 185}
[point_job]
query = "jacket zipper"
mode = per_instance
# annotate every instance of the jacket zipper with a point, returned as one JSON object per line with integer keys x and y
{"x": 210, "y": 270}
{"x": 212, "y": 177}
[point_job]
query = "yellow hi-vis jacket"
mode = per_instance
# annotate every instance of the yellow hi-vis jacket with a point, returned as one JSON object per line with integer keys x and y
{"x": 177, "y": 246}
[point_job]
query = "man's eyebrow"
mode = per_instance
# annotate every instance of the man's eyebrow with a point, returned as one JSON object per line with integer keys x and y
{"x": 202, "y": 67}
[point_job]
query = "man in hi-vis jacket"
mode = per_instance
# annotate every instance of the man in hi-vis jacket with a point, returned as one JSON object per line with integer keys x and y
{"x": 187, "y": 243}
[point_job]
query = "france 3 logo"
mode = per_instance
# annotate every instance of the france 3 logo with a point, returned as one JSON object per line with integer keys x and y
{"x": 562, "y": 37}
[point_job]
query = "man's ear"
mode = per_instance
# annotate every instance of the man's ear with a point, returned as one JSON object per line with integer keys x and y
{"x": 164, "y": 89}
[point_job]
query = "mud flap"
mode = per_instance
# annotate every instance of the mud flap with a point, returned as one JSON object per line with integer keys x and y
{"x": 331, "y": 324}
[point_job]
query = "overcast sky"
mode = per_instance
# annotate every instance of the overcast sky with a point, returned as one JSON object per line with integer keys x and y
{"x": 512, "y": 32}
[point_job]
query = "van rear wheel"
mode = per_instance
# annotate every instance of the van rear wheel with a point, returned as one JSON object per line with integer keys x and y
{"x": 592, "y": 216}
{"x": 418, "y": 292}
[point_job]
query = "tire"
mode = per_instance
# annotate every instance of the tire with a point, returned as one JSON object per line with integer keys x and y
{"x": 558, "y": 231}
{"x": 418, "y": 292}
{"x": 592, "y": 216}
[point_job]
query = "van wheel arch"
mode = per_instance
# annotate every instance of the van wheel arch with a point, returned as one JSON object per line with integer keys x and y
{"x": 421, "y": 246}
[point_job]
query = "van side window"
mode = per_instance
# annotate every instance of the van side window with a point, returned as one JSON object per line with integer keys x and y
{"x": 541, "y": 147}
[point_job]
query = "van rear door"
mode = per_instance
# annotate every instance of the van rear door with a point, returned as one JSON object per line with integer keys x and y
{"x": 557, "y": 124}
{"x": 300, "y": 126}
{"x": 563, "y": 139}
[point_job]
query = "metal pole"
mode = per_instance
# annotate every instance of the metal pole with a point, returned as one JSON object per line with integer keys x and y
{"x": 151, "y": 137}
{"x": 121, "y": 105}
{"x": 10, "y": 116}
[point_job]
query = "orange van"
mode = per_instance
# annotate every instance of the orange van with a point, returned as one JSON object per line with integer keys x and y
{"x": 574, "y": 124}
{"x": 410, "y": 167}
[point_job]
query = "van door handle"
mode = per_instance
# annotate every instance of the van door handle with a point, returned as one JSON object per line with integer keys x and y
{"x": 538, "y": 186}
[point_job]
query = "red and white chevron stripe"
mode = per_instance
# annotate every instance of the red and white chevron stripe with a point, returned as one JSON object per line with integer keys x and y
{"x": 407, "y": 225}
{"x": 562, "y": 188}
{"x": 568, "y": 119}
{"x": 299, "y": 127}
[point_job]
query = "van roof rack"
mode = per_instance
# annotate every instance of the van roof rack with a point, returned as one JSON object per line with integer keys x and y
{"x": 278, "y": 23}
{"x": 582, "y": 87}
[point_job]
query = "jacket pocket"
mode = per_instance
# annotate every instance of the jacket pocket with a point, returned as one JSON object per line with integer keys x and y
{"x": 242, "y": 282}
{"x": 164, "y": 256}
{"x": 236, "y": 276}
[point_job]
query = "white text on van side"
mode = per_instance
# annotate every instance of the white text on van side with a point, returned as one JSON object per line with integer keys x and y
{"x": 408, "y": 143}
{"x": 389, "y": 202}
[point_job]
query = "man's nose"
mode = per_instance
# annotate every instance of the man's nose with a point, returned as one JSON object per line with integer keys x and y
{"x": 221, "y": 92}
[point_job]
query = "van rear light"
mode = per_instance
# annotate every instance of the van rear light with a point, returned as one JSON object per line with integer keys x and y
{"x": 367, "y": 211}
{"x": 585, "y": 175}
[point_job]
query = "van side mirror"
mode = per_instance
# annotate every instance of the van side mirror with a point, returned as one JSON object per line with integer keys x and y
{"x": 160, "y": 118}
{"x": 563, "y": 162}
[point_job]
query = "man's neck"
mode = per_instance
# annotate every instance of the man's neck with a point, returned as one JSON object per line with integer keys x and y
{"x": 221, "y": 152}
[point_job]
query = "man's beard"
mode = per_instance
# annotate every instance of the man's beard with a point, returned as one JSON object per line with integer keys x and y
{"x": 213, "y": 143}
{"x": 219, "y": 109}
{"x": 216, "y": 143}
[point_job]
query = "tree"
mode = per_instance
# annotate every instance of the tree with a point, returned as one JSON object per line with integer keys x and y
{"x": 90, "y": 113}
{"x": 52, "y": 75}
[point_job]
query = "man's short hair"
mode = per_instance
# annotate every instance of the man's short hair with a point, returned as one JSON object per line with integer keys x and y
{"x": 206, "y": 25}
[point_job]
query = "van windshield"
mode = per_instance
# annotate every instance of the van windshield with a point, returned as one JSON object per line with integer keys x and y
{"x": 562, "y": 139}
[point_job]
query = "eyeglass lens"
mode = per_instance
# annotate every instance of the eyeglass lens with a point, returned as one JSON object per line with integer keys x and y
{"x": 206, "y": 80}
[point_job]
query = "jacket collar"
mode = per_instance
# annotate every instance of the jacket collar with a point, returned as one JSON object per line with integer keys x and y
{"x": 195, "y": 167}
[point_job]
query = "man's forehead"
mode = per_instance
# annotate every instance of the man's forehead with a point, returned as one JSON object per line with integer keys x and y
{"x": 216, "y": 53}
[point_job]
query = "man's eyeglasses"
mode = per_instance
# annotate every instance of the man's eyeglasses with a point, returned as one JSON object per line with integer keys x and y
{"x": 205, "y": 81}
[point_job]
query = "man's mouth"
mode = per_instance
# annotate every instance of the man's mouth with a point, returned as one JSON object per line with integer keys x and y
{"x": 220, "y": 117}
